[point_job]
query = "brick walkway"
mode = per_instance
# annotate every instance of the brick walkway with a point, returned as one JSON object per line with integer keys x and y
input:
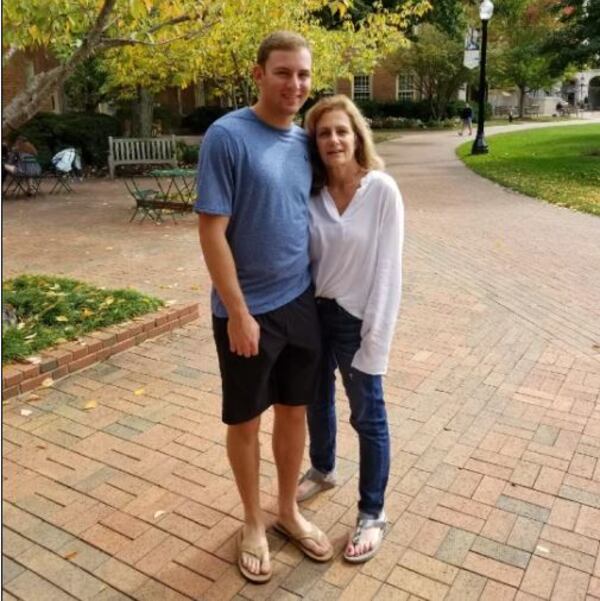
{"x": 493, "y": 397}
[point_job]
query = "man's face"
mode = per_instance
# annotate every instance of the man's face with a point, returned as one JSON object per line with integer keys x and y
{"x": 284, "y": 81}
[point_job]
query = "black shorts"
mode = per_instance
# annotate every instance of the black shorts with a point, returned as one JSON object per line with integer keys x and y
{"x": 286, "y": 369}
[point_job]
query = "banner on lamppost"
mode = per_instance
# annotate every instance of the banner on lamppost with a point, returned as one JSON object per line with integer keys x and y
{"x": 472, "y": 55}
{"x": 471, "y": 60}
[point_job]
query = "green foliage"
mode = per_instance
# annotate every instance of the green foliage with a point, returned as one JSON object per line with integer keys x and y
{"x": 436, "y": 61}
{"x": 187, "y": 154}
{"x": 84, "y": 89}
{"x": 518, "y": 35}
{"x": 202, "y": 117}
{"x": 88, "y": 132}
{"x": 51, "y": 310}
{"x": 557, "y": 164}
{"x": 578, "y": 41}
{"x": 413, "y": 109}
{"x": 449, "y": 16}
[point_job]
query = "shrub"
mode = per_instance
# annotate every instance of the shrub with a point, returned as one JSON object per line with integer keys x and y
{"x": 395, "y": 123}
{"x": 169, "y": 119}
{"x": 413, "y": 109}
{"x": 202, "y": 117}
{"x": 88, "y": 132}
{"x": 187, "y": 154}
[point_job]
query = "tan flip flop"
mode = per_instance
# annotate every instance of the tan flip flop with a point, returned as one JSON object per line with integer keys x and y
{"x": 258, "y": 551}
{"x": 300, "y": 537}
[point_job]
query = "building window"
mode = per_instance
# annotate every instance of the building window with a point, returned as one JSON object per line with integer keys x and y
{"x": 406, "y": 87}
{"x": 361, "y": 87}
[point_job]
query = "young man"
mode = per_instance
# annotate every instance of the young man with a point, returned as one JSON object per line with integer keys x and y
{"x": 254, "y": 183}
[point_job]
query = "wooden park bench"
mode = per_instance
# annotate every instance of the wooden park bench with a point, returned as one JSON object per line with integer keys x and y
{"x": 141, "y": 151}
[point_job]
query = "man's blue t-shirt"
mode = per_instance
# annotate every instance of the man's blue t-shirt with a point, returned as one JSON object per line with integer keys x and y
{"x": 260, "y": 176}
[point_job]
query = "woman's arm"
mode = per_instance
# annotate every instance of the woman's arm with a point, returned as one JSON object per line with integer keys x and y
{"x": 383, "y": 302}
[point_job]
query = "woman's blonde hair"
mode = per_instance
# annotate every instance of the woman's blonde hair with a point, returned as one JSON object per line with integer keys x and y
{"x": 365, "y": 153}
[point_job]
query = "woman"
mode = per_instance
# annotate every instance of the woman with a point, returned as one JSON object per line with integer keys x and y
{"x": 22, "y": 163}
{"x": 356, "y": 227}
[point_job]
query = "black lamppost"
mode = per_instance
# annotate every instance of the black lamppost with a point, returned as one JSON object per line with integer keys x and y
{"x": 486, "y": 10}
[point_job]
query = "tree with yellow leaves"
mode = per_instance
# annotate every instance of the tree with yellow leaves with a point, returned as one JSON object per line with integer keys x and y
{"x": 156, "y": 43}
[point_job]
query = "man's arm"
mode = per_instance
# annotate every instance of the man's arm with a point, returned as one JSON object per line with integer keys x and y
{"x": 242, "y": 328}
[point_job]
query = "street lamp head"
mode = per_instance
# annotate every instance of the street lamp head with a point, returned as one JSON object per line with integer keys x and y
{"x": 486, "y": 10}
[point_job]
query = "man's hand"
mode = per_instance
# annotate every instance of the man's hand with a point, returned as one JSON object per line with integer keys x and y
{"x": 244, "y": 334}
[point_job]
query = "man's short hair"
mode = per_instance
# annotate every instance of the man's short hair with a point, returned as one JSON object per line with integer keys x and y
{"x": 280, "y": 40}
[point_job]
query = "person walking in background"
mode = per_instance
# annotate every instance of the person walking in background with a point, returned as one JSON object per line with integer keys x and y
{"x": 253, "y": 192}
{"x": 466, "y": 115}
{"x": 356, "y": 239}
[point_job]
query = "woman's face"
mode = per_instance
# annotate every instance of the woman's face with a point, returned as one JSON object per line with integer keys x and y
{"x": 336, "y": 140}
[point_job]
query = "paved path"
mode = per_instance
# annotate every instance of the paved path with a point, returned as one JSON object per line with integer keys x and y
{"x": 493, "y": 397}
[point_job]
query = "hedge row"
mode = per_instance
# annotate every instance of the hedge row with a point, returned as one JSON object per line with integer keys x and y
{"x": 415, "y": 109}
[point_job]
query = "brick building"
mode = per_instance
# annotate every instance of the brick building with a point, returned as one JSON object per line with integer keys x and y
{"x": 20, "y": 69}
{"x": 382, "y": 86}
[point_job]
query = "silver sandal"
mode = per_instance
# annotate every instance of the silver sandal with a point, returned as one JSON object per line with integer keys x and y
{"x": 364, "y": 523}
{"x": 318, "y": 482}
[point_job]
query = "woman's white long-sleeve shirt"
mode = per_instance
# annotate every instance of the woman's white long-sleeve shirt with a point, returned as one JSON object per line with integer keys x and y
{"x": 356, "y": 259}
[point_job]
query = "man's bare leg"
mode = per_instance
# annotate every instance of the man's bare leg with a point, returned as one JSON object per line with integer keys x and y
{"x": 289, "y": 433}
{"x": 243, "y": 451}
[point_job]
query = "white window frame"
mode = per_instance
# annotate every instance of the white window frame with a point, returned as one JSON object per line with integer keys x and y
{"x": 405, "y": 90}
{"x": 366, "y": 91}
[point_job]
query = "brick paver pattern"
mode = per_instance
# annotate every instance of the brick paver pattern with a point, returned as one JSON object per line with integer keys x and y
{"x": 493, "y": 398}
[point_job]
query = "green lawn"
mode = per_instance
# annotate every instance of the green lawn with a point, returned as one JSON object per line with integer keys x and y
{"x": 47, "y": 310}
{"x": 557, "y": 164}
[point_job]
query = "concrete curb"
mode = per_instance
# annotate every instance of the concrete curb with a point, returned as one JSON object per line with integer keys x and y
{"x": 69, "y": 357}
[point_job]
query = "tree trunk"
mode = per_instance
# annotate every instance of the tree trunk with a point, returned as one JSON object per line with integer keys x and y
{"x": 521, "y": 102}
{"x": 26, "y": 104}
{"x": 143, "y": 113}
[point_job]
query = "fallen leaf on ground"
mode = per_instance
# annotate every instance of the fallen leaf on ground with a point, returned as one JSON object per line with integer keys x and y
{"x": 61, "y": 318}
{"x": 26, "y": 412}
{"x": 31, "y": 336}
{"x": 170, "y": 302}
{"x": 138, "y": 392}
{"x": 158, "y": 513}
{"x": 34, "y": 360}
{"x": 33, "y": 397}
{"x": 70, "y": 555}
{"x": 47, "y": 382}
{"x": 91, "y": 404}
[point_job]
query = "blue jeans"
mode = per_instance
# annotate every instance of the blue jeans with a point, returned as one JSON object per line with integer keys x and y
{"x": 341, "y": 340}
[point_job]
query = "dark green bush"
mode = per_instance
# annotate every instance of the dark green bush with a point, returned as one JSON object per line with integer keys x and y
{"x": 187, "y": 154}
{"x": 88, "y": 132}
{"x": 201, "y": 118}
{"x": 168, "y": 118}
{"x": 413, "y": 110}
